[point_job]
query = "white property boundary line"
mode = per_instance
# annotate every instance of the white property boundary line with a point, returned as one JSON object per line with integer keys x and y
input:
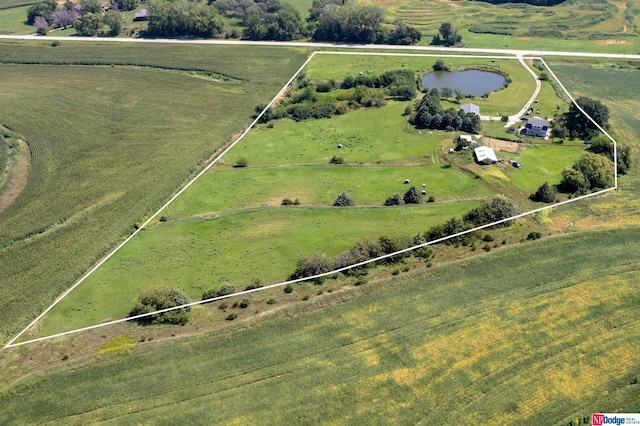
{"x": 284, "y": 88}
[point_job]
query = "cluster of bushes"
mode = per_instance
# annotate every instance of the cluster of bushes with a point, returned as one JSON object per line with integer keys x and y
{"x": 289, "y": 202}
{"x": 156, "y": 299}
{"x": 87, "y": 16}
{"x": 491, "y": 210}
{"x": 412, "y": 196}
{"x": 430, "y": 115}
{"x": 332, "y": 20}
{"x": 367, "y": 91}
{"x": 182, "y": 18}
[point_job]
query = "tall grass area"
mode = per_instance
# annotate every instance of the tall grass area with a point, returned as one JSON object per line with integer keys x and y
{"x": 544, "y": 330}
{"x": 109, "y": 144}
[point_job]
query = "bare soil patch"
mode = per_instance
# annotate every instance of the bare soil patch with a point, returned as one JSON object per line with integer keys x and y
{"x": 501, "y": 145}
{"x": 18, "y": 175}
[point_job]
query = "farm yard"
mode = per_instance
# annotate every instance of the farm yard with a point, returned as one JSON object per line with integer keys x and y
{"x": 232, "y": 216}
{"x": 131, "y": 132}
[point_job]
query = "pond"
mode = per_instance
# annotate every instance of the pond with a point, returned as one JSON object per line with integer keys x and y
{"x": 471, "y": 82}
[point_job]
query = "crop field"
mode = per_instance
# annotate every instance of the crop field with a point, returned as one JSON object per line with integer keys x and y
{"x": 127, "y": 136}
{"x": 232, "y": 216}
{"x": 544, "y": 330}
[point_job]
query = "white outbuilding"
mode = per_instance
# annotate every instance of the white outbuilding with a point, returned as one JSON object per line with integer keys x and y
{"x": 484, "y": 153}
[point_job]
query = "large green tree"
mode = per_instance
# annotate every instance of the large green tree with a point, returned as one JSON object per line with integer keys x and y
{"x": 597, "y": 170}
{"x": 88, "y": 25}
{"x": 114, "y": 21}
{"x": 447, "y": 35}
{"x": 575, "y": 124}
{"x": 44, "y": 8}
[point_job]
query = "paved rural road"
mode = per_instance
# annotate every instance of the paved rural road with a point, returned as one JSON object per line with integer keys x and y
{"x": 333, "y": 45}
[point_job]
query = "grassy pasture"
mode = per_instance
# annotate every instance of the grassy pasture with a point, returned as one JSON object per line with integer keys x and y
{"x": 319, "y": 185}
{"x": 289, "y": 160}
{"x": 541, "y": 163}
{"x": 544, "y": 330}
{"x": 198, "y": 254}
{"x": 9, "y": 4}
{"x": 315, "y": 142}
{"x": 12, "y": 21}
{"x": 126, "y": 138}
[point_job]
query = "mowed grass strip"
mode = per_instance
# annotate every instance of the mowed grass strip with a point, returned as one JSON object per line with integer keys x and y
{"x": 12, "y": 21}
{"x": 320, "y": 185}
{"x": 543, "y": 330}
{"x": 196, "y": 255}
{"x": 126, "y": 138}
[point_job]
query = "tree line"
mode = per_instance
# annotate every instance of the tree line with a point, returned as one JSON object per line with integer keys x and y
{"x": 87, "y": 16}
{"x": 303, "y": 102}
{"x": 491, "y": 210}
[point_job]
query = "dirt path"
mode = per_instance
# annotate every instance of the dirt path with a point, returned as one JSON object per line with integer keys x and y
{"x": 18, "y": 175}
{"x": 501, "y": 145}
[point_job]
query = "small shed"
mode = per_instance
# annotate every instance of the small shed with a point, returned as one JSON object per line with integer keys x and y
{"x": 467, "y": 138}
{"x": 467, "y": 108}
{"x": 484, "y": 153}
{"x": 141, "y": 16}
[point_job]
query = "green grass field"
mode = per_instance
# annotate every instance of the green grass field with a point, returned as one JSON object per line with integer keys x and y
{"x": 319, "y": 185}
{"x": 541, "y": 163}
{"x": 546, "y": 330}
{"x": 231, "y": 216}
{"x": 12, "y": 21}
{"x": 199, "y": 254}
{"x": 126, "y": 138}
